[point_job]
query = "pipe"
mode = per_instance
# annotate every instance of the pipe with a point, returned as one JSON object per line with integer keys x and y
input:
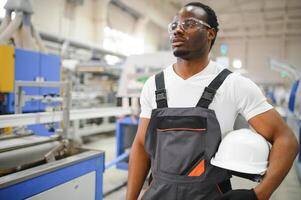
{"x": 5, "y": 22}
{"x": 26, "y": 36}
{"x": 117, "y": 160}
{"x": 76, "y": 44}
{"x": 11, "y": 29}
{"x": 37, "y": 37}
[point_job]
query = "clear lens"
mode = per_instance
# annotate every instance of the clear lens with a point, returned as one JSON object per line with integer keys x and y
{"x": 186, "y": 25}
{"x": 172, "y": 26}
{"x": 189, "y": 24}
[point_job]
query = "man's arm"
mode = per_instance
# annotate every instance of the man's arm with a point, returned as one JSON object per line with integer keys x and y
{"x": 284, "y": 150}
{"x": 139, "y": 163}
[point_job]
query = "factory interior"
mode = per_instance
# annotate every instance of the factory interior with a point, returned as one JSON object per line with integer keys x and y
{"x": 71, "y": 75}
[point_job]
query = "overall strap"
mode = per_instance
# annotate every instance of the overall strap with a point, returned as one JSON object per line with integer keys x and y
{"x": 211, "y": 89}
{"x": 161, "y": 97}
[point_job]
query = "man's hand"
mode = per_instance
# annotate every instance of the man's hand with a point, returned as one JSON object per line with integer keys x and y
{"x": 239, "y": 195}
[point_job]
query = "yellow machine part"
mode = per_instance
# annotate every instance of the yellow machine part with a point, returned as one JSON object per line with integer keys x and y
{"x": 7, "y": 74}
{"x": 8, "y": 130}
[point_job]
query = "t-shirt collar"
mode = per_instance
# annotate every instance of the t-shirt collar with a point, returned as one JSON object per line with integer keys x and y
{"x": 208, "y": 70}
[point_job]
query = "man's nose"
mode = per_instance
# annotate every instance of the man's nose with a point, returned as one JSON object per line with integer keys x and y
{"x": 178, "y": 30}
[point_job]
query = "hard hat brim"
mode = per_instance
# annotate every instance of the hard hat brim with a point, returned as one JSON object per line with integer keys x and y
{"x": 260, "y": 168}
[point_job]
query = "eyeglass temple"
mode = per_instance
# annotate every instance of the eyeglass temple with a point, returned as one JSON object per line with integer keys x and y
{"x": 204, "y": 23}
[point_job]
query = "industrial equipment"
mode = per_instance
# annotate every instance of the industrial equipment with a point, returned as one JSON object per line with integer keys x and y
{"x": 40, "y": 152}
{"x": 47, "y": 167}
{"x": 94, "y": 85}
{"x": 77, "y": 175}
{"x": 30, "y": 66}
{"x": 126, "y": 129}
{"x": 25, "y": 65}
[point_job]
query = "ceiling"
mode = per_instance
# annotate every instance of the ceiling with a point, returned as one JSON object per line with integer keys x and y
{"x": 244, "y": 19}
{"x": 237, "y": 18}
{"x": 256, "y": 17}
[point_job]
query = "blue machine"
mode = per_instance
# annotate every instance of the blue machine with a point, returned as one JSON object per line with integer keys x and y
{"x": 126, "y": 129}
{"x": 270, "y": 94}
{"x": 77, "y": 177}
{"x": 44, "y": 129}
{"x": 26, "y": 69}
{"x": 31, "y": 66}
{"x": 292, "y": 98}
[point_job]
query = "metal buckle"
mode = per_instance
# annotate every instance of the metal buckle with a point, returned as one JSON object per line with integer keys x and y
{"x": 161, "y": 95}
{"x": 208, "y": 93}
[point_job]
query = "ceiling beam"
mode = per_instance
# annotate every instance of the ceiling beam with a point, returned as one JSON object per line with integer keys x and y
{"x": 159, "y": 15}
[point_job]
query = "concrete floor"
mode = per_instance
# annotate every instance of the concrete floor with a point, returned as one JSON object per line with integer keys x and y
{"x": 290, "y": 189}
{"x": 112, "y": 177}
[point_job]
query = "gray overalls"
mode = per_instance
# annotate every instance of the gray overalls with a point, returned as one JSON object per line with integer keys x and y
{"x": 181, "y": 142}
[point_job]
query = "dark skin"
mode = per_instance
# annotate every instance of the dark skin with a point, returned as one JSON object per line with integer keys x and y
{"x": 191, "y": 48}
{"x": 192, "y": 51}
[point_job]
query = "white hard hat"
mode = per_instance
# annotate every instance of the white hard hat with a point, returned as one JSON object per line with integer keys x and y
{"x": 243, "y": 151}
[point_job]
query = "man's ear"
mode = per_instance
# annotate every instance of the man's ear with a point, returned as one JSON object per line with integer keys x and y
{"x": 211, "y": 34}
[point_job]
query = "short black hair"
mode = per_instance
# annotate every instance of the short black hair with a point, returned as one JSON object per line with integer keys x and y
{"x": 211, "y": 16}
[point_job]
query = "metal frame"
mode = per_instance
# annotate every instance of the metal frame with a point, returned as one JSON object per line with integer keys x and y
{"x": 45, "y": 117}
{"x": 41, "y": 178}
{"x": 20, "y": 119}
{"x": 90, "y": 130}
{"x": 181, "y": 24}
{"x": 121, "y": 153}
{"x": 66, "y": 103}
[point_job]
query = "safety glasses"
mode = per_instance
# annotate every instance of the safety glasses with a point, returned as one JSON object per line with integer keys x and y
{"x": 187, "y": 25}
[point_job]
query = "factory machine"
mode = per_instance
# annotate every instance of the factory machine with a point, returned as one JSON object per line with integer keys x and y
{"x": 29, "y": 61}
{"x": 39, "y": 167}
{"x": 24, "y": 65}
{"x": 39, "y": 156}
{"x": 93, "y": 86}
{"x": 47, "y": 167}
{"x": 40, "y": 153}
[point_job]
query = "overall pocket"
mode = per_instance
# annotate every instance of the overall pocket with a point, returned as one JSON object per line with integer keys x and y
{"x": 181, "y": 145}
{"x": 197, "y": 192}
{"x": 160, "y": 191}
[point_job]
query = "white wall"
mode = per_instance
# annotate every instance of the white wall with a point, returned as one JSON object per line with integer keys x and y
{"x": 79, "y": 22}
{"x": 120, "y": 20}
{"x": 63, "y": 19}
{"x": 255, "y": 52}
{"x": 293, "y": 52}
{"x": 153, "y": 37}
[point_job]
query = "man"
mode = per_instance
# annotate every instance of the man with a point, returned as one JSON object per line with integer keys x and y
{"x": 186, "y": 110}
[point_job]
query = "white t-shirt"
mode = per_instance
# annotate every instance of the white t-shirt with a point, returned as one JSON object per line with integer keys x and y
{"x": 236, "y": 95}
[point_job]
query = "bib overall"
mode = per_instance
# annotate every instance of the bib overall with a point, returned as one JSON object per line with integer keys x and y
{"x": 181, "y": 142}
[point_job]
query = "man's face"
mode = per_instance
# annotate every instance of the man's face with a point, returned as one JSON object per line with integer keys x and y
{"x": 188, "y": 36}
